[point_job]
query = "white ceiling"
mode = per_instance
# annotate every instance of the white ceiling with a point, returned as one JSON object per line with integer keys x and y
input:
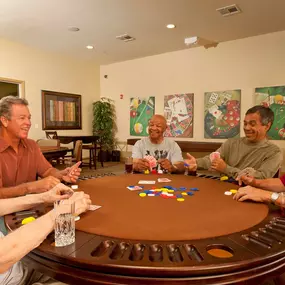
{"x": 44, "y": 24}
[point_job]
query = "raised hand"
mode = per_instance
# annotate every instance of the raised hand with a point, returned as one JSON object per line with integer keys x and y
{"x": 190, "y": 162}
{"x": 71, "y": 174}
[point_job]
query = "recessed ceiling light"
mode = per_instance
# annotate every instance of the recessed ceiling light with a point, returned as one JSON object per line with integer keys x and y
{"x": 170, "y": 26}
{"x": 74, "y": 29}
{"x": 89, "y": 47}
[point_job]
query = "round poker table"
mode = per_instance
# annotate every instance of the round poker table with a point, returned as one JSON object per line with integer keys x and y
{"x": 208, "y": 238}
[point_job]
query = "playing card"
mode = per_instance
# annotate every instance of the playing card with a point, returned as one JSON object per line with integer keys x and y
{"x": 215, "y": 155}
{"x": 151, "y": 160}
{"x": 94, "y": 207}
{"x": 133, "y": 188}
{"x": 146, "y": 182}
{"x": 163, "y": 180}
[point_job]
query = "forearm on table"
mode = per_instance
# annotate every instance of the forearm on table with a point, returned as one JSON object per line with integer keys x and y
{"x": 271, "y": 184}
{"x": 53, "y": 172}
{"x": 12, "y": 205}
{"x": 17, "y": 244}
{"x": 10, "y": 192}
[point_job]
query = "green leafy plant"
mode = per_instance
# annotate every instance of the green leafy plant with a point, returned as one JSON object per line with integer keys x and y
{"x": 104, "y": 122}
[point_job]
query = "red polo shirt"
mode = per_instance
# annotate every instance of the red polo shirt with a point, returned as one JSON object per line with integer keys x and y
{"x": 21, "y": 167}
{"x": 282, "y": 178}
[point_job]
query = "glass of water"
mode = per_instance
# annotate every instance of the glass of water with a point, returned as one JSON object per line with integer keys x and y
{"x": 64, "y": 227}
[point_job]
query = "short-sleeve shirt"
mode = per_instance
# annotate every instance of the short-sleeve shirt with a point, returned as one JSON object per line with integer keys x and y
{"x": 21, "y": 167}
{"x": 282, "y": 178}
{"x": 168, "y": 149}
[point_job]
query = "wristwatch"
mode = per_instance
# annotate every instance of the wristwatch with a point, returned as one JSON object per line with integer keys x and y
{"x": 274, "y": 196}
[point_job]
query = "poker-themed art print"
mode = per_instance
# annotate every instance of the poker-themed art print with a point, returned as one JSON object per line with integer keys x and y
{"x": 141, "y": 110}
{"x": 178, "y": 111}
{"x": 222, "y": 114}
{"x": 274, "y": 98}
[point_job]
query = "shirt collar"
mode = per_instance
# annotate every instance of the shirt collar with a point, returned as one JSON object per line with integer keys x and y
{"x": 4, "y": 145}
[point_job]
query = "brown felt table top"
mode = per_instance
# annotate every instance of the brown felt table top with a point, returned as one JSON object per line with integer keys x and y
{"x": 124, "y": 214}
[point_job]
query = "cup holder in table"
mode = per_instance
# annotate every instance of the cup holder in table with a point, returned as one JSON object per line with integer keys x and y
{"x": 220, "y": 251}
{"x": 102, "y": 248}
{"x": 137, "y": 252}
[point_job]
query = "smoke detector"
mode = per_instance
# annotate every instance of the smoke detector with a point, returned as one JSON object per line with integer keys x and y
{"x": 125, "y": 38}
{"x": 229, "y": 10}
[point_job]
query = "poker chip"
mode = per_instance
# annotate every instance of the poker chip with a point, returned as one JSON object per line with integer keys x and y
{"x": 228, "y": 193}
{"x": 194, "y": 189}
{"x": 180, "y": 199}
{"x": 77, "y": 218}
{"x": 74, "y": 187}
{"x": 224, "y": 178}
{"x": 27, "y": 220}
{"x": 190, "y": 193}
{"x": 142, "y": 194}
{"x": 151, "y": 195}
{"x": 234, "y": 191}
{"x": 146, "y": 171}
{"x": 184, "y": 193}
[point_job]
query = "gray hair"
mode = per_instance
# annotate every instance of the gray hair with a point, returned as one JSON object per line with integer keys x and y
{"x": 265, "y": 113}
{"x": 6, "y": 104}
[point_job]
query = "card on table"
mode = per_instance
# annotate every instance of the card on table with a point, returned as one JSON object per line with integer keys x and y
{"x": 146, "y": 182}
{"x": 163, "y": 180}
{"x": 94, "y": 207}
{"x": 133, "y": 188}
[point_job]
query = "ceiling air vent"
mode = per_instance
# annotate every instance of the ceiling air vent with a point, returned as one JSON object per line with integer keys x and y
{"x": 229, "y": 10}
{"x": 125, "y": 38}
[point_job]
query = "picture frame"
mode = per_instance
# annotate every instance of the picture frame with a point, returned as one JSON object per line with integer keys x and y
{"x": 61, "y": 111}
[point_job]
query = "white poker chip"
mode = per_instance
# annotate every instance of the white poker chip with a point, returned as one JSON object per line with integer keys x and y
{"x": 228, "y": 193}
{"x": 77, "y": 218}
{"x": 74, "y": 187}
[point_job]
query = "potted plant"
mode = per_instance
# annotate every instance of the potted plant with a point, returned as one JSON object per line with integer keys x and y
{"x": 104, "y": 125}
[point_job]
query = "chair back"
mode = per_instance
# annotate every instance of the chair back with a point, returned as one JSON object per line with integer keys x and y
{"x": 51, "y": 135}
{"x": 48, "y": 143}
{"x": 77, "y": 152}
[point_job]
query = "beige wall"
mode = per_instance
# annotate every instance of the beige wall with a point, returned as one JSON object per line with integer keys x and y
{"x": 242, "y": 64}
{"x": 47, "y": 71}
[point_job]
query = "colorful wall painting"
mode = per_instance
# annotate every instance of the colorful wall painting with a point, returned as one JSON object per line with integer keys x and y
{"x": 141, "y": 110}
{"x": 178, "y": 111}
{"x": 274, "y": 98}
{"x": 222, "y": 114}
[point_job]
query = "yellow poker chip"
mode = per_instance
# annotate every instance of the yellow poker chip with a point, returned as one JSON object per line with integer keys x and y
{"x": 184, "y": 193}
{"x": 146, "y": 171}
{"x": 142, "y": 194}
{"x": 170, "y": 191}
{"x": 224, "y": 178}
{"x": 180, "y": 199}
{"x": 27, "y": 220}
{"x": 234, "y": 191}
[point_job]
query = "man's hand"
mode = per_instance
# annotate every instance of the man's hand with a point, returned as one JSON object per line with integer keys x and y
{"x": 248, "y": 180}
{"x": 42, "y": 185}
{"x": 191, "y": 162}
{"x": 218, "y": 164}
{"x": 59, "y": 192}
{"x": 71, "y": 174}
{"x": 82, "y": 202}
{"x": 165, "y": 164}
{"x": 141, "y": 164}
{"x": 251, "y": 193}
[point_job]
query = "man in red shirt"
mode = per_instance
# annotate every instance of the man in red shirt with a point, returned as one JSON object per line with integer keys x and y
{"x": 21, "y": 159}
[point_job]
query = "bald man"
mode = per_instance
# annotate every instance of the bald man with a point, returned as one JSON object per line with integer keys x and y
{"x": 167, "y": 152}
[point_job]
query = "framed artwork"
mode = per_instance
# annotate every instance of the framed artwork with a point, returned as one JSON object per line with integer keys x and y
{"x": 141, "y": 110}
{"x": 178, "y": 111}
{"x": 274, "y": 98}
{"x": 222, "y": 114}
{"x": 61, "y": 111}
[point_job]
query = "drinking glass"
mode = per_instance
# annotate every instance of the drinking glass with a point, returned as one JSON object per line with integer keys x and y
{"x": 64, "y": 227}
{"x": 129, "y": 165}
